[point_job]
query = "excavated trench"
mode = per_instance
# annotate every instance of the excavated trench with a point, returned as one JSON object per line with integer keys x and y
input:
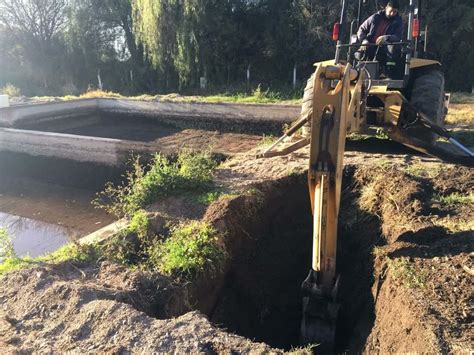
{"x": 271, "y": 253}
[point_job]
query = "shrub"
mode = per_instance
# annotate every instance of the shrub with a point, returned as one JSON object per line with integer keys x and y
{"x": 196, "y": 169}
{"x": 191, "y": 250}
{"x": 139, "y": 224}
{"x": 10, "y": 90}
{"x": 193, "y": 171}
{"x": 6, "y": 246}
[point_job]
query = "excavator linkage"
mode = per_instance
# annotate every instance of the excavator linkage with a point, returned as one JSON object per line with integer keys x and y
{"x": 328, "y": 133}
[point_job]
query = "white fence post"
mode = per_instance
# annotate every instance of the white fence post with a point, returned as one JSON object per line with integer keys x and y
{"x": 99, "y": 80}
{"x": 294, "y": 76}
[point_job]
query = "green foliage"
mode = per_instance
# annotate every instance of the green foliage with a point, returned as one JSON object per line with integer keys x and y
{"x": 423, "y": 170}
{"x": 381, "y": 133}
{"x": 122, "y": 249}
{"x": 209, "y": 197}
{"x": 462, "y": 98}
{"x": 191, "y": 250}
{"x": 139, "y": 224}
{"x": 7, "y": 251}
{"x": 163, "y": 46}
{"x": 10, "y": 90}
{"x": 193, "y": 171}
{"x": 196, "y": 169}
{"x": 70, "y": 252}
{"x": 303, "y": 350}
{"x": 267, "y": 140}
{"x": 407, "y": 273}
{"x": 265, "y": 96}
{"x": 455, "y": 199}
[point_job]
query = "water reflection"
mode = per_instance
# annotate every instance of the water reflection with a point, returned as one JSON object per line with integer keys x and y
{"x": 32, "y": 237}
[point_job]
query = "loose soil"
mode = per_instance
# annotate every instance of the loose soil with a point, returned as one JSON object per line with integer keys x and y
{"x": 405, "y": 258}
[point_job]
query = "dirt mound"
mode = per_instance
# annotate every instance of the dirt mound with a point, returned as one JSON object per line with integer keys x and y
{"x": 422, "y": 269}
{"x": 82, "y": 308}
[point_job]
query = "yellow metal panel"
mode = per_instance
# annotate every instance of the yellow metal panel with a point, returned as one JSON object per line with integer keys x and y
{"x": 379, "y": 89}
{"x": 419, "y": 62}
{"x": 393, "y": 106}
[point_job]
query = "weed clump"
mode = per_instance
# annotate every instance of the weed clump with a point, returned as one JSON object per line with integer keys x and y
{"x": 70, "y": 252}
{"x": 190, "y": 250}
{"x": 191, "y": 172}
{"x": 455, "y": 199}
{"x": 6, "y": 246}
{"x": 407, "y": 273}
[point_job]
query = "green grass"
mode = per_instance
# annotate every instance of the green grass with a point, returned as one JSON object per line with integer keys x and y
{"x": 190, "y": 250}
{"x": 303, "y": 350}
{"x": 454, "y": 224}
{"x": 357, "y": 137}
{"x": 256, "y": 96}
{"x": 423, "y": 170}
{"x": 208, "y": 197}
{"x": 267, "y": 140}
{"x": 462, "y": 98}
{"x": 69, "y": 252}
{"x": 460, "y": 114}
{"x": 406, "y": 271}
{"x": 192, "y": 172}
{"x": 455, "y": 199}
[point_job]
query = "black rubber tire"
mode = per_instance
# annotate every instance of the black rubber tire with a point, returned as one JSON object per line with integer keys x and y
{"x": 308, "y": 103}
{"x": 427, "y": 96}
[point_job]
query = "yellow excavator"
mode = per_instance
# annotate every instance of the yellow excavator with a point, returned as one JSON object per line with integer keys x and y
{"x": 350, "y": 95}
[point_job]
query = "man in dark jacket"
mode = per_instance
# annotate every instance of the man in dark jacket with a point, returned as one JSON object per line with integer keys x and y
{"x": 383, "y": 27}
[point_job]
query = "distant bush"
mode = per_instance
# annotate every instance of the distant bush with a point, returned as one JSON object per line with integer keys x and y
{"x": 10, "y": 90}
{"x": 70, "y": 89}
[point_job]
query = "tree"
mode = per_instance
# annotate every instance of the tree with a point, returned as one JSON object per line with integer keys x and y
{"x": 35, "y": 25}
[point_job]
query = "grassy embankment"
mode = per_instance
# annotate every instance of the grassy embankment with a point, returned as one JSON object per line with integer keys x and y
{"x": 185, "y": 250}
{"x": 257, "y": 96}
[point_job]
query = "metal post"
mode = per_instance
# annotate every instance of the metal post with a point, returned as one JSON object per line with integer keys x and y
{"x": 294, "y": 76}
{"x": 409, "y": 39}
{"x": 248, "y": 75}
{"x": 99, "y": 79}
{"x": 359, "y": 13}
{"x": 341, "y": 31}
